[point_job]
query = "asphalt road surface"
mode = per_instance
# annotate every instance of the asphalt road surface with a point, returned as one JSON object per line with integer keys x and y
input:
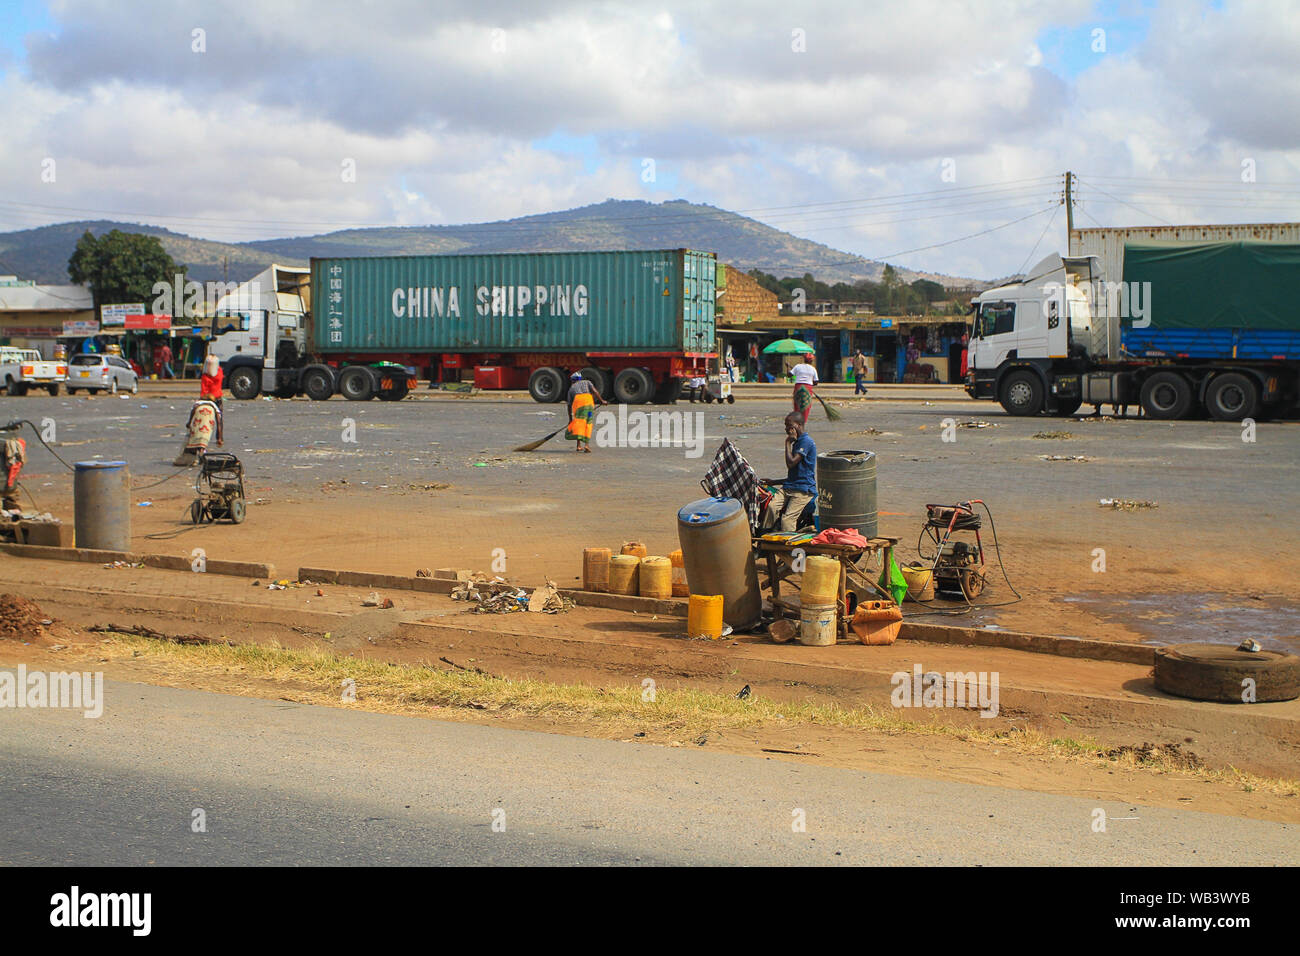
{"x": 284, "y": 783}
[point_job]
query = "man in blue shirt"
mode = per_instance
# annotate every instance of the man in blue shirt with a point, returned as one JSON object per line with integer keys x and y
{"x": 800, "y": 485}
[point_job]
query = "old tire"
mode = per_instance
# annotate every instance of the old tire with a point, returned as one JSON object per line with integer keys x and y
{"x": 1232, "y": 397}
{"x": 1022, "y": 394}
{"x": 546, "y": 385}
{"x": 633, "y": 386}
{"x": 318, "y": 384}
{"x": 1219, "y": 672}
{"x": 196, "y": 511}
{"x": 244, "y": 383}
{"x": 1166, "y": 396}
{"x": 356, "y": 384}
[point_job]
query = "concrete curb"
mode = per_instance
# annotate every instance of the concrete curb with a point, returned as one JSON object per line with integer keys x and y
{"x": 166, "y": 562}
{"x": 1033, "y": 643}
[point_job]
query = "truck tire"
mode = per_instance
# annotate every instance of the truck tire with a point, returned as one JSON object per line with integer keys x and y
{"x": 245, "y": 383}
{"x": 356, "y": 384}
{"x": 669, "y": 390}
{"x": 633, "y": 386}
{"x": 318, "y": 384}
{"x": 1166, "y": 396}
{"x": 1067, "y": 407}
{"x": 546, "y": 385}
{"x": 599, "y": 378}
{"x": 395, "y": 392}
{"x": 1219, "y": 672}
{"x": 1022, "y": 393}
{"x": 1232, "y": 397}
{"x": 53, "y": 390}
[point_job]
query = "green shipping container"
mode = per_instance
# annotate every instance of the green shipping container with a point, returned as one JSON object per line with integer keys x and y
{"x": 1218, "y": 285}
{"x": 656, "y": 301}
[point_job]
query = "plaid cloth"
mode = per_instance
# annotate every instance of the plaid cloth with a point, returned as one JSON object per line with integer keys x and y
{"x": 730, "y": 476}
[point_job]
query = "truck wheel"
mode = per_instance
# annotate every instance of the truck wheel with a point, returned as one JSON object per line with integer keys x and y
{"x": 53, "y": 390}
{"x": 669, "y": 391}
{"x": 356, "y": 385}
{"x": 1167, "y": 395}
{"x": 1067, "y": 407}
{"x": 1232, "y": 397}
{"x": 1223, "y": 673}
{"x": 633, "y": 386}
{"x": 394, "y": 393}
{"x": 599, "y": 378}
{"x": 1022, "y": 394}
{"x": 244, "y": 383}
{"x": 546, "y": 385}
{"x": 318, "y": 385}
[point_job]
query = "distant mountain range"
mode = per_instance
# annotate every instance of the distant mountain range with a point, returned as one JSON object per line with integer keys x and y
{"x": 42, "y": 254}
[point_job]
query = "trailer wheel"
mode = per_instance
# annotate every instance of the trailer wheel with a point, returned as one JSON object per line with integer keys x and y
{"x": 599, "y": 378}
{"x": 1232, "y": 397}
{"x": 546, "y": 385}
{"x": 356, "y": 384}
{"x": 1167, "y": 395}
{"x": 244, "y": 383}
{"x": 633, "y": 386}
{"x": 1221, "y": 672}
{"x": 318, "y": 385}
{"x": 1022, "y": 394}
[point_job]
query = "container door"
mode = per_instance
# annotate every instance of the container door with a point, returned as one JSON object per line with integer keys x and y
{"x": 699, "y": 277}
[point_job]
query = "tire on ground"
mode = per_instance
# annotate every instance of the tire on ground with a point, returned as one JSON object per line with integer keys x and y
{"x": 1232, "y": 397}
{"x": 633, "y": 386}
{"x": 1022, "y": 393}
{"x": 546, "y": 385}
{"x": 1166, "y": 396}
{"x": 244, "y": 383}
{"x": 1220, "y": 672}
{"x": 318, "y": 384}
{"x": 356, "y": 384}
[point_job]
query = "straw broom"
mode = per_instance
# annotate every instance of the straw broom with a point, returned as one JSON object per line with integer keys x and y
{"x": 534, "y": 445}
{"x": 831, "y": 413}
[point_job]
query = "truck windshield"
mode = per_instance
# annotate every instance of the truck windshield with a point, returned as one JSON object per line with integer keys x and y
{"x": 996, "y": 318}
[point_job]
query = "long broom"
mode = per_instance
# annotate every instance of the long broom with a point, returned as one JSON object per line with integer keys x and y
{"x": 831, "y": 413}
{"x": 534, "y": 445}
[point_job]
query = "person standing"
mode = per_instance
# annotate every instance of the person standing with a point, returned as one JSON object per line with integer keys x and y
{"x": 583, "y": 397}
{"x": 163, "y": 360}
{"x": 805, "y": 377}
{"x": 792, "y": 495}
{"x": 859, "y": 373}
{"x": 13, "y": 455}
{"x": 210, "y": 388}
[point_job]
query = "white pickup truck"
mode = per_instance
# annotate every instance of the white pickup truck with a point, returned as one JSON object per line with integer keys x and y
{"x": 21, "y": 369}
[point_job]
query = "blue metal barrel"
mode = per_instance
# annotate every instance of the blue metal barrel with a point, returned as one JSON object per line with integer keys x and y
{"x": 101, "y": 496}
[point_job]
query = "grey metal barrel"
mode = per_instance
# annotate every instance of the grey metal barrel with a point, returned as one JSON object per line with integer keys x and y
{"x": 718, "y": 555}
{"x": 101, "y": 504}
{"x": 846, "y": 491}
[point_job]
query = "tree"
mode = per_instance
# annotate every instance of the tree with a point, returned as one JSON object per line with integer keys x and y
{"x": 122, "y": 266}
{"x": 932, "y": 291}
{"x": 890, "y": 288}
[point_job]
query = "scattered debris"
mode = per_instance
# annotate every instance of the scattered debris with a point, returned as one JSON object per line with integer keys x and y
{"x": 1154, "y": 753}
{"x": 793, "y": 753}
{"x": 976, "y": 423}
{"x": 1126, "y": 504}
{"x": 376, "y": 601}
{"x": 461, "y": 667}
{"x": 20, "y": 618}
{"x": 868, "y": 431}
{"x": 548, "y": 600}
{"x": 1253, "y": 646}
{"x": 743, "y": 693}
{"x": 125, "y": 564}
{"x": 491, "y": 597}
{"x": 423, "y": 573}
{"x": 1062, "y": 436}
{"x": 429, "y": 486}
{"x": 1066, "y": 458}
{"x": 141, "y": 630}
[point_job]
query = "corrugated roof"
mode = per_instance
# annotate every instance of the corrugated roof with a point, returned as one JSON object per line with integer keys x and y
{"x": 45, "y": 298}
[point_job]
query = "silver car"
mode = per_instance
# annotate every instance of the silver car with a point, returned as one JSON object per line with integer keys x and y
{"x": 101, "y": 373}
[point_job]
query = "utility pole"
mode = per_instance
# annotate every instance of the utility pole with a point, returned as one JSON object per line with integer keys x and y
{"x": 1069, "y": 211}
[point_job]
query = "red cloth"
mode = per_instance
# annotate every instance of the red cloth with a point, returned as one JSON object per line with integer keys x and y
{"x": 840, "y": 536}
{"x": 210, "y": 385}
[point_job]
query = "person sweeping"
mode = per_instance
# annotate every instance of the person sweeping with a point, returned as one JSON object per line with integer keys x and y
{"x": 583, "y": 398}
{"x": 805, "y": 377}
{"x": 210, "y": 389}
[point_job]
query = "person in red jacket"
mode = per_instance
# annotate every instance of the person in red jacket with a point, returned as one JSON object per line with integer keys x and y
{"x": 210, "y": 388}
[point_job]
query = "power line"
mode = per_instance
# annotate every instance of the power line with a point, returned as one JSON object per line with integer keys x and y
{"x": 1129, "y": 204}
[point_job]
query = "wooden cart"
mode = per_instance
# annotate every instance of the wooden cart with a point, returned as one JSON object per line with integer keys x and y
{"x": 856, "y": 571}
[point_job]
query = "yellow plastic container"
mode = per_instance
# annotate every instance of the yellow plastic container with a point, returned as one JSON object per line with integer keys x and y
{"x": 595, "y": 569}
{"x": 656, "y": 577}
{"x": 920, "y": 582}
{"x": 623, "y": 575}
{"x": 704, "y": 616}
{"x": 634, "y": 547}
{"x": 817, "y": 624}
{"x": 821, "y": 581}
{"x": 680, "y": 587}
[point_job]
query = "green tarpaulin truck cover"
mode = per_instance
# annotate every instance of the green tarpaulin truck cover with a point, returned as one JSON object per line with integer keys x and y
{"x": 1218, "y": 285}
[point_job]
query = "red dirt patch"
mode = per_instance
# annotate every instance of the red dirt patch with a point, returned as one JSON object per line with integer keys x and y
{"x": 21, "y": 619}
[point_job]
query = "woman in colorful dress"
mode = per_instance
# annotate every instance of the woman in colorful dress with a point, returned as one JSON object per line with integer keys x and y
{"x": 805, "y": 377}
{"x": 583, "y": 398}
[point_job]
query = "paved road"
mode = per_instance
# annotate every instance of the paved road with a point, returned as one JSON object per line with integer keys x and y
{"x": 283, "y": 783}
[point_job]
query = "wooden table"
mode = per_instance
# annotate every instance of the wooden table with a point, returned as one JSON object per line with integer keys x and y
{"x": 780, "y": 565}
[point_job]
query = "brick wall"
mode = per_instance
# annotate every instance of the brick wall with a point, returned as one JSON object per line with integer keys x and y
{"x": 746, "y": 300}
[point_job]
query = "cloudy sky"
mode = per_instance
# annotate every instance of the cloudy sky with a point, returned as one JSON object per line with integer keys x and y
{"x": 931, "y": 133}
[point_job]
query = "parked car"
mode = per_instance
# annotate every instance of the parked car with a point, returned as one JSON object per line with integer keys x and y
{"x": 21, "y": 369}
{"x": 101, "y": 373}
